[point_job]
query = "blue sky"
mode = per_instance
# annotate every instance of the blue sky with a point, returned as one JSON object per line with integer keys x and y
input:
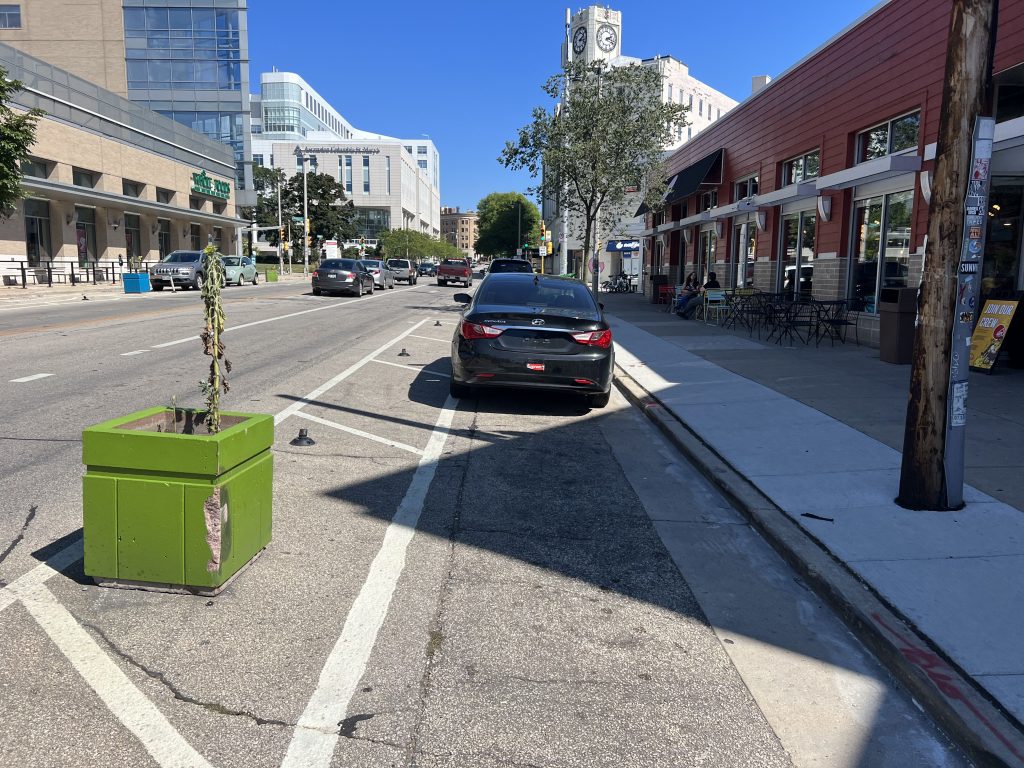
{"x": 468, "y": 72}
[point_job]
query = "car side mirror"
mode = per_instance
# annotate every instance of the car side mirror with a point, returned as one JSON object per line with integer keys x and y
{"x": 462, "y": 298}
{"x": 600, "y": 305}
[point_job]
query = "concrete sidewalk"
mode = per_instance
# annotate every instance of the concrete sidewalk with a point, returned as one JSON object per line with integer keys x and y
{"x": 807, "y": 439}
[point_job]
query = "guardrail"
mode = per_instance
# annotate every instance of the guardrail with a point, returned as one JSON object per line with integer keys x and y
{"x": 21, "y": 273}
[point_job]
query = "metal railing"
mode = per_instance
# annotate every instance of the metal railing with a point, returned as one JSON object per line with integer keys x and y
{"x": 22, "y": 273}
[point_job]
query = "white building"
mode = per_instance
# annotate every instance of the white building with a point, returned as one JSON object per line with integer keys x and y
{"x": 393, "y": 183}
{"x": 595, "y": 33}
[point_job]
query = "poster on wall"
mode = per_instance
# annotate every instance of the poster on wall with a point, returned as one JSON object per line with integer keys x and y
{"x": 83, "y": 243}
{"x": 990, "y": 332}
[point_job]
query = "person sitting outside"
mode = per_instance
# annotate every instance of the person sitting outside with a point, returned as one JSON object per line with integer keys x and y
{"x": 690, "y": 289}
{"x": 695, "y": 301}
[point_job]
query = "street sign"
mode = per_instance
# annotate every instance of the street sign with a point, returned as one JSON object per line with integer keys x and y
{"x": 297, "y": 219}
{"x": 519, "y": 251}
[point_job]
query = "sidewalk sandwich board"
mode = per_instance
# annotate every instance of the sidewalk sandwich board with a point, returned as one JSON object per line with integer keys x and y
{"x": 990, "y": 332}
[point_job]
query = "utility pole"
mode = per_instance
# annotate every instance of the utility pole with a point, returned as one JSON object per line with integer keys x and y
{"x": 563, "y": 231}
{"x": 519, "y": 225}
{"x": 305, "y": 213}
{"x": 928, "y": 477}
{"x": 280, "y": 229}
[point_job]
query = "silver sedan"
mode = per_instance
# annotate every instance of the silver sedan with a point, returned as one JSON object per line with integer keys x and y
{"x": 382, "y": 276}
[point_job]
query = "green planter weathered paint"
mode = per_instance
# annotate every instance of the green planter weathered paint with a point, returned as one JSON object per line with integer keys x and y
{"x": 176, "y": 510}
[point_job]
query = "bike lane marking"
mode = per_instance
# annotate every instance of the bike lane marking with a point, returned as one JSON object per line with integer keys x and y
{"x": 316, "y": 735}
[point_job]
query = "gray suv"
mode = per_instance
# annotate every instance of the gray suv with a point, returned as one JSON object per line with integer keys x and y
{"x": 186, "y": 268}
{"x": 404, "y": 270}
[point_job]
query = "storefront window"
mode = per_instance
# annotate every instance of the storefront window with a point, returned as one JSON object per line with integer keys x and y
{"x": 744, "y": 248}
{"x": 801, "y": 168}
{"x": 706, "y": 254}
{"x": 1001, "y": 265}
{"x": 872, "y": 217}
{"x": 164, "y": 236}
{"x": 893, "y": 136}
{"x": 85, "y": 234}
{"x": 195, "y": 237}
{"x": 37, "y": 232}
{"x": 796, "y": 271}
{"x": 132, "y": 238}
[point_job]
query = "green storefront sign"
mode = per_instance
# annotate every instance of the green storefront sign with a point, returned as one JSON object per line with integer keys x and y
{"x": 204, "y": 185}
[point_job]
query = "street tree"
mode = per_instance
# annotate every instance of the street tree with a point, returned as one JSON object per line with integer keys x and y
{"x": 265, "y": 182}
{"x": 17, "y": 135}
{"x": 331, "y": 215}
{"x": 409, "y": 244}
{"x": 505, "y": 221}
{"x": 610, "y": 134}
{"x": 966, "y": 92}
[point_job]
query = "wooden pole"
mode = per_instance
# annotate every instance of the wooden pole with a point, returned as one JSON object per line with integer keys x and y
{"x": 967, "y": 91}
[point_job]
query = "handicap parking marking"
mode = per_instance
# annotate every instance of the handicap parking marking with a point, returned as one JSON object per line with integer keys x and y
{"x": 33, "y": 377}
{"x": 359, "y": 433}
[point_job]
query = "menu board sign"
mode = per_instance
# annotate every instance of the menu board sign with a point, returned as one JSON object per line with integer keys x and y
{"x": 990, "y": 332}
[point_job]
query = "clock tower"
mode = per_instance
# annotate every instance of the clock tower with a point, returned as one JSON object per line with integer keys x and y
{"x": 595, "y": 33}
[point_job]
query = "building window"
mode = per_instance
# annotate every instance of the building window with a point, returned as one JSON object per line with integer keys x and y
{"x": 85, "y": 234}
{"x": 131, "y": 188}
{"x": 408, "y": 148}
{"x": 708, "y": 200}
{"x": 257, "y": 160}
{"x": 163, "y": 236}
{"x": 348, "y": 174}
{"x": 706, "y": 254}
{"x": 796, "y": 268}
{"x": 745, "y": 188}
{"x": 387, "y": 170}
{"x": 37, "y": 231}
{"x": 881, "y": 235}
{"x": 132, "y": 237}
{"x": 218, "y": 233}
{"x": 10, "y": 17}
{"x": 195, "y": 237}
{"x": 82, "y": 178}
{"x": 421, "y": 150}
{"x": 422, "y": 164}
{"x": 371, "y": 222}
{"x": 219, "y": 208}
{"x": 801, "y": 168}
{"x": 744, "y": 252}
{"x": 164, "y": 196}
{"x": 670, "y": 93}
{"x": 719, "y": 115}
{"x": 195, "y": 203}
{"x": 38, "y": 169}
{"x": 366, "y": 174}
{"x": 885, "y": 139}
{"x": 700, "y": 107}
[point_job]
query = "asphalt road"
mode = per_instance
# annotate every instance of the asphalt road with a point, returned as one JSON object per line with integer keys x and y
{"x": 511, "y": 580}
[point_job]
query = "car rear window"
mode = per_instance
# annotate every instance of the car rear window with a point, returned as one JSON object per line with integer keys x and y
{"x": 402, "y": 263}
{"x": 455, "y": 262}
{"x": 338, "y": 264}
{"x": 532, "y": 293}
{"x": 511, "y": 265}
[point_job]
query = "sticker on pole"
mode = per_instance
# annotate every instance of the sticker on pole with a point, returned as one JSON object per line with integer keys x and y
{"x": 958, "y": 408}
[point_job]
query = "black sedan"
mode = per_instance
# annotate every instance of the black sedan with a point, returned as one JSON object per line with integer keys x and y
{"x": 509, "y": 265}
{"x": 533, "y": 332}
{"x": 341, "y": 276}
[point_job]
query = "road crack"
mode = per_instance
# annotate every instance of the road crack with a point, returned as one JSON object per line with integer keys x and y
{"x": 160, "y": 677}
{"x": 20, "y": 537}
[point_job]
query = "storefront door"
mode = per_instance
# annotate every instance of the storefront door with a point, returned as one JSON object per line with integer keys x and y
{"x": 1001, "y": 276}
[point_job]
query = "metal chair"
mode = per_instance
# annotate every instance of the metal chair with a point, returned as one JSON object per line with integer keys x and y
{"x": 715, "y": 301}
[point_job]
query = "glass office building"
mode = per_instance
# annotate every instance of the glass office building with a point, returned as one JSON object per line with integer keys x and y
{"x": 189, "y": 60}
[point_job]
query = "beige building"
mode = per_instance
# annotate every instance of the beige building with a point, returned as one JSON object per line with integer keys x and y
{"x": 108, "y": 181}
{"x": 461, "y": 229}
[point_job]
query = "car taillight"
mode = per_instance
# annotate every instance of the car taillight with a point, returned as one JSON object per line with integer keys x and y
{"x": 601, "y": 339}
{"x": 476, "y": 331}
{"x": 315, "y": 273}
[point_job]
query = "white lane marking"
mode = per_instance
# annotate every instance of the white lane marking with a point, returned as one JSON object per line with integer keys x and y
{"x": 316, "y": 734}
{"x": 136, "y": 352}
{"x": 297, "y": 405}
{"x": 359, "y": 433}
{"x": 41, "y": 573}
{"x": 430, "y": 338}
{"x": 413, "y": 368}
{"x": 127, "y": 703}
{"x": 33, "y": 377}
{"x": 23, "y": 303}
{"x": 282, "y": 317}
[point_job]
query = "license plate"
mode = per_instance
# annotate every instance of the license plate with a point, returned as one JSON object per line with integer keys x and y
{"x": 332, "y": 274}
{"x": 535, "y": 366}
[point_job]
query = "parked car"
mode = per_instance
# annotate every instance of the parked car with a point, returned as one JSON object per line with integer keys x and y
{"x": 238, "y": 270}
{"x": 186, "y": 269}
{"x": 533, "y": 332}
{"x": 404, "y": 270}
{"x": 510, "y": 265}
{"x": 427, "y": 269}
{"x": 382, "y": 276}
{"x": 342, "y": 275}
{"x": 455, "y": 271}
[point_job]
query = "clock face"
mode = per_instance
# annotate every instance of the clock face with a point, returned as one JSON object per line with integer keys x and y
{"x": 579, "y": 39}
{"x": 607, "y": 37}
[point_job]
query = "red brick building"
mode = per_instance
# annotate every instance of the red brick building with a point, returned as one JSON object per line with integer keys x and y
{"x": 819, "y": 184}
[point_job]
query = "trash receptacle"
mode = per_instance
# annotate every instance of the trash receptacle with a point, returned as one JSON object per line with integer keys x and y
{"x": 135, "y": 282}
{"x": 897, "y": 313}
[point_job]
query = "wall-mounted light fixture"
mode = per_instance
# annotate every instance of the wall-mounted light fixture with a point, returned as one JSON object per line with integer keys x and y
{"x": 825, "y": 207}
{"x": 688, "y": 235}
{"x": 115, "y": 223}
{"x": 153, "y": 229}
{"x": 925, "y": 178}
{"x": 761, "y": 219}
{"x": 184, "y": 231}
{"x": 70, "y": 217}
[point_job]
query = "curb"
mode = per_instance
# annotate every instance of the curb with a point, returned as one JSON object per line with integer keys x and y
{"x": 989, "y": 736}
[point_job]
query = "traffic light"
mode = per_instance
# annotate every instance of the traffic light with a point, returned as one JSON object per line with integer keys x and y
{"x": 550, "y": 247}
{"x": 280, "y": 234}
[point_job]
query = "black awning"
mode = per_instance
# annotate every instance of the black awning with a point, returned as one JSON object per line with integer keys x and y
{"x": 707, "y": 170}
{"x": 642, "y": 210}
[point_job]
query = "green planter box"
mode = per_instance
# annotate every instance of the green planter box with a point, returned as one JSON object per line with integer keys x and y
{"x": 172, "y": 510}
{"x": 271, "y": 275}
